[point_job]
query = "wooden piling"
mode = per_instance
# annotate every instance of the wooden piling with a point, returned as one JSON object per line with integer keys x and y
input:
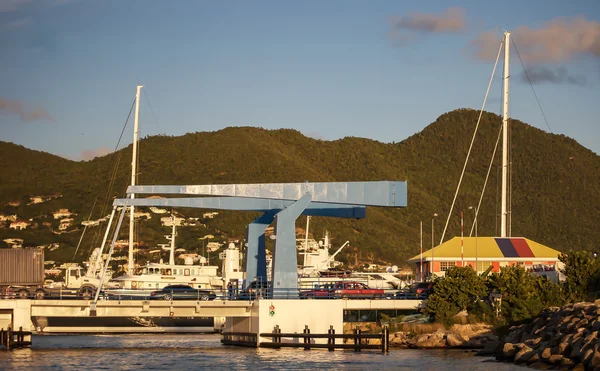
{"x": 385, "y": 339}
{"x": 331, "y": 339}
{"x": 306, "y": 338}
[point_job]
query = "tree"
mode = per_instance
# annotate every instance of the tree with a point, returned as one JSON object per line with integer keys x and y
{"x": 459, "y": 290}
{"x": 550, "y": 293}
{"x": 520, "y": 296}
{"x": 582, "y": 272}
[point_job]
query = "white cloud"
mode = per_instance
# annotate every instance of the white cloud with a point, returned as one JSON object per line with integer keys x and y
{"x": 558, "y": 40}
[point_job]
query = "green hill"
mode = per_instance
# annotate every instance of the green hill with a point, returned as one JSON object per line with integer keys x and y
{"x": 555, "y": 199}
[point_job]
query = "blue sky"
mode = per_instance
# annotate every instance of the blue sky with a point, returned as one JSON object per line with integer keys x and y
{"x": 376, "y": 69}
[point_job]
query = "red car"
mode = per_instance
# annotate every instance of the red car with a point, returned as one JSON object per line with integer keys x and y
{"x": 342, "y": 290}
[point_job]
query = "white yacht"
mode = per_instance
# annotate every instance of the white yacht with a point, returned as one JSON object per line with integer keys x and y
{"x": 319, "y": 266}
{"x": 155, "y": 276}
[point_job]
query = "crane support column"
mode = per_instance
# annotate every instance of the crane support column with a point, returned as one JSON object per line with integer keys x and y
{"x": 285, "y": 262}
{"x": 256, "y": 255}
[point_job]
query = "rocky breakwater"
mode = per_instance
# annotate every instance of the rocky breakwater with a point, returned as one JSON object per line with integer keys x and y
{"x": 458, "y": 336}
{"x": 565, "y": 337}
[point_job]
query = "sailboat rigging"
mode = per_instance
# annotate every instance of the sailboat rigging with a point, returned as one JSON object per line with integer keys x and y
{"x": 505, "y": 204}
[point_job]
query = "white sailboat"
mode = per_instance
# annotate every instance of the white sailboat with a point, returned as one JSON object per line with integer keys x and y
{"x": 141, "y": 281}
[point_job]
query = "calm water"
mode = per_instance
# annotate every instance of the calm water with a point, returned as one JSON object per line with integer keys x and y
{"x": 198, "y": 351}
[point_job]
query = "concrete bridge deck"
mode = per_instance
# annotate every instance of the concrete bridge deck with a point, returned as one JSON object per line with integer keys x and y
{"x": 19, "y": 312}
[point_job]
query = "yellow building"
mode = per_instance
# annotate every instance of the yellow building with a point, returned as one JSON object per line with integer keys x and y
{"x": 488, "y": 251}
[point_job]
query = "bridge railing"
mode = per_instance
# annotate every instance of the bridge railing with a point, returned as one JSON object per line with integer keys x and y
{"x": 225, "y": 295}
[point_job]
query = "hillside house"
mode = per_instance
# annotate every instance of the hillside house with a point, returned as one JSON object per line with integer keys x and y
{"x": 8, "y": 218}
{"x": 18, "y": 225}
{"x": 90, "y": 223}
{"x": 121, "y": 244}
{"x": 142, "y": 214}
{"x": 65, "y": 224}
{"x": 36, "y": 200}
{"x": 62, "y": 213}
{"x": 168, "y": 221}
{"x": 210, "y": 215}
{"x": 53, "y": 246}
{"x": 15, "y": 243}
{"x": 213, "y": 246}
{"x": 157, "y": 210}
{"x": 194, "y": 222}
{"x": 14, "y": 203}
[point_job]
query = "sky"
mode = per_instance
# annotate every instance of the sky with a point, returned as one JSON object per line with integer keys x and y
{"x": 377, "y": 69}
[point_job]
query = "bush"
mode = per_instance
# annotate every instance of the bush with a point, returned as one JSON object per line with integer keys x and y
{"x": 460, "y": 289}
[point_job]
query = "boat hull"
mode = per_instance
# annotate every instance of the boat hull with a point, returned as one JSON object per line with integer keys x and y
{"x": 99, "y": 325}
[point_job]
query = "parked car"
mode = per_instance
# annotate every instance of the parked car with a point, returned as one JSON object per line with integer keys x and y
{"x": 419, "y": 290}
{"x": 342, "y": 290}
{"x": 256, "y": 289}
{"x": 183, "y": 292}
{"x": 320, "y": 291}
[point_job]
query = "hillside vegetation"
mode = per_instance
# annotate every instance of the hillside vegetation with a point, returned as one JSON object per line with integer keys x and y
{"x": 555, "y": 183}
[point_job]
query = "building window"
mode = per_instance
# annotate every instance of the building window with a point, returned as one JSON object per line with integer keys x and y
{"x": 483, "y": 266}
{"x": 444, "y": 266}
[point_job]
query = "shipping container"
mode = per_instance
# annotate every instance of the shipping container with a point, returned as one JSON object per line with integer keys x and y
{"x": 22, "y": 267}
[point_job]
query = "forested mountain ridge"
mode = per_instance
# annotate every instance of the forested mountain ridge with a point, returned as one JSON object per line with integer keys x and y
{"x": 555, "y": 184}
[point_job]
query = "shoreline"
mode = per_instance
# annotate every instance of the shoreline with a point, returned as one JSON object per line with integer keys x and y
{"x": 565, "y": 337}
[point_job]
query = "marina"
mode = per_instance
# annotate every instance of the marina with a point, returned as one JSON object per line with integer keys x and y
{"x": 261, "y": 216}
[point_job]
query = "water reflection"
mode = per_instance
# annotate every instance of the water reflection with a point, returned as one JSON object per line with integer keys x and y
{"x": 199, "y": 351}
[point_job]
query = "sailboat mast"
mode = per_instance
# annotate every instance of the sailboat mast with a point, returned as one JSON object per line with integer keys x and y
{"x": 172, "y": 253}
{"x": 505, "y": 211}
{"x": 131, "y": 261}
{"x": 306, "y": 241}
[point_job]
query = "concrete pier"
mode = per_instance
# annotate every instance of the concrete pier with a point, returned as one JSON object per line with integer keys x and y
{"x": 294, "y": 316}
{"x": 16, "y": 314}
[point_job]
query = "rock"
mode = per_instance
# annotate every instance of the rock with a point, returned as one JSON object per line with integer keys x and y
{"x": 564, "y": 347}
{"x": 576, "y": 350}
{"x": 540, "y": 366}
{"x": 492, "y": 338}
{"x": 566, "y": 320}
{"x": 578, "y": 367}
{"x": 534, "y": 341}
{"x": 524, "y": 354}
{"x": 566, "y": 362}
{"x": 476, "y": 342}
{"x": 555, "y": 359}
{"x": 434, "y": 340}
{"x": 524, "y": 337}
{"x": 587, "y": 356}
{"x": 548, "y": 336}
{"x": 582, "y": 323}
{"x": 534, "y": 358}
{"x": 591, "y": 337}
{"x": 546, "y": 353}
{"x": 510, "y": 350}
{"x": 490, "y": 348}
{"x": 512, "y": 337}
{"x": 455, "y": 340}
{"x": 595, "y": 360}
